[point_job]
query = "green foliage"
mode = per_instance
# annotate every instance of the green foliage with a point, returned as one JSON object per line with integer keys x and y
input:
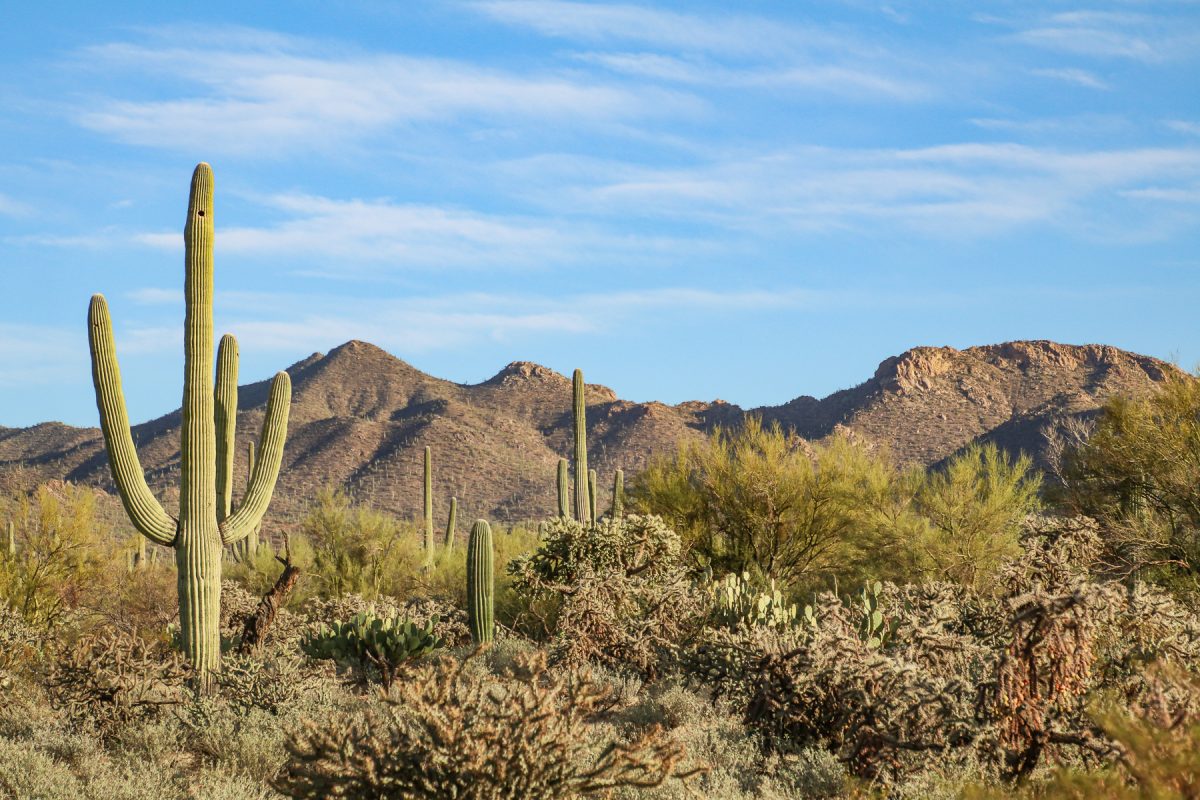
{"x": 1138, "y": 473}
{"x": 355, "y": 549}
{"x": 974, "y": 508}
{"x": 760, "y": 500}
{"x": 372, "y": 645}
{"x": 62, "y": 554}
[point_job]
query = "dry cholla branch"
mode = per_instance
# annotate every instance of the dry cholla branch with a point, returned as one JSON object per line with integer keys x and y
{"x": 451, "y": 732}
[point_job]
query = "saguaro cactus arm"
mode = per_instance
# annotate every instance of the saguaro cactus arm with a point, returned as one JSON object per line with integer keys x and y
{"x": 266, "y": 466}
{"x": 225, "y": 398}
{"x": 144, "y": 510}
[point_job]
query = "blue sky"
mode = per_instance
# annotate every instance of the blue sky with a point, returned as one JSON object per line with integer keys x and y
{"x": 686, "y": 201}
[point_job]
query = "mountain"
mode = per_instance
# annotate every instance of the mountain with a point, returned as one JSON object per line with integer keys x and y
{"x": 360, "y": 419}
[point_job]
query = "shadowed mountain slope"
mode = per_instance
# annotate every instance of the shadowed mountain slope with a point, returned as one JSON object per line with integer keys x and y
{"x": 361, "y": 418}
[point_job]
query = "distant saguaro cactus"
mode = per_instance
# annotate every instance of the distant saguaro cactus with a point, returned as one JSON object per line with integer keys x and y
{"x": 480, "y": 584}
{"x": 564, "y": 491}
{"x": 427, "y": 499}
{"x": 205, "y": 524}
{"x": 450, "y": 523}
{"x": 11, "y": 546}
{"x": 618, "y": 498}
{"x": 582, "y": 495}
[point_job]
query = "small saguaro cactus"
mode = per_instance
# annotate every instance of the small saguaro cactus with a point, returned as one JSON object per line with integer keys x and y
{"x": 205, "y": 524}
{"x": 592, "y": 515}
{"x": 582, "y": 496}
{"x": 11, "y": 546}
{"x": 564, "y": 491}
{"x": 480, "y": 585}
{"x": 427, "y": 499}
{"x": 618, "y": 498}
{"x": 450, "y": 523}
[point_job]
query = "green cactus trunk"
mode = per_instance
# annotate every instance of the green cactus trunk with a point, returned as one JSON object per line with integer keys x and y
{"x": 141, "y": 552}
{"x": 204, "y": 526}
{"x": 564, "y": 491}
{"x": 583, "y": 505}
{"x": 450, "y": 525}
{"x": 592, "y": 516}
{"x": 618, "y": 498}
{"x": 250, "y": 546}
{"x": 480, "y": 585}
{"x": 428, "y": 506}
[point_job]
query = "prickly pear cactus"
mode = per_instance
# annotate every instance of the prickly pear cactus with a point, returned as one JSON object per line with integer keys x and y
{"x": 368, "y": 643}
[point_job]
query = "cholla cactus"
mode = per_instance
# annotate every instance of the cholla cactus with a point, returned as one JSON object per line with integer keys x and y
{"x": 205, "y": 524}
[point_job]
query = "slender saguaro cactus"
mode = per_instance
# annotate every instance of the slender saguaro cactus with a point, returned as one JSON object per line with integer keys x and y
{"x": 141, "y": 552}
{"x": 480, "y": 586}
{"x": 592, "y": 495}
{"x": 204, "y": 525}
{"x": 564, "y": 492}
{"x": 250, "y": 546}
{"x": 428, "y": 501}
{"x": 450, "y": 523}
{"x": 582, "y": 501}
{"x": 11, "y": 546}
{"x": 618, "y": 498}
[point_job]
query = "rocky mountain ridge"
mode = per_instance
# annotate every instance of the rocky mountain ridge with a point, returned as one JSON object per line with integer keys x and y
{"x": 361, "y": 417}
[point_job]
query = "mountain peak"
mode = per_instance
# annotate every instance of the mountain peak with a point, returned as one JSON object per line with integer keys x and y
{"x": 525, "y": 371}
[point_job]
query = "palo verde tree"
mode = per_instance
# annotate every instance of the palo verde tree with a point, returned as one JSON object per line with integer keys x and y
{"x": 206, "y": 521}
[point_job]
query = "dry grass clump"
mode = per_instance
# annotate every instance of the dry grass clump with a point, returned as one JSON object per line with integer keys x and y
{"x": 452, "y": 732}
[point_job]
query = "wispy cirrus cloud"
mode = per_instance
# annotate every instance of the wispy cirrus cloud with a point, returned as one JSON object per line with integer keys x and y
{"x": 949, "y": 190}
{"x": 375, "y": 234}
{"x": 1074, "y": 76}
{"x": 236, "y": 95}
{"x": 1115, "y": 35}
{"x": 720, "y": 50}
{"x": 13, "y": 207}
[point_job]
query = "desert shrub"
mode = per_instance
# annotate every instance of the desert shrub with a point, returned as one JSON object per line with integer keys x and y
{"x": 104, "y": 682}
{"x": 19, "y": 645}
{"x": 373, "y": 647}
{"x": 762, "y": 500}
{"x": 1137, "y": 470}
{"x": 354, "y": 549}
{"x": 615, "y": 592}
{"x": 63, "y": 554}
{"x": 974, "y": 507}
{"x": 453, "y": 732}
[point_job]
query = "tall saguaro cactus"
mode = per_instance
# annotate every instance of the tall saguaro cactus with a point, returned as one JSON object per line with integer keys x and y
{"x": 428, "y": 501}
{"x": 205, "y": 523}
{"x": 480, "y": 585}
{"x": 593, "y": 515}
{"x": 564, "y": 492}
{"x": 582, "y": 496}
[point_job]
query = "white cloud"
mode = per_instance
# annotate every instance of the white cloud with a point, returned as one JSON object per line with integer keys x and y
{"x": 265, "y": 99}
{"x": 727, "y": 34}
{"x": 40, "y": 355}
{"x": 12, "y": 207}
{"x": 1183, "y": 126}
{"x": 151, "y": 296}
{"x": 344, "y": 234}
{"x": 1102, "y": 34}
{"x": 1078, "y": 77}
{"x": 950, "y": 190}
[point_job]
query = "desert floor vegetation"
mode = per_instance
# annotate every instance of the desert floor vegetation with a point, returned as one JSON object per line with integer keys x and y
{"x": 760, "y": 617}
